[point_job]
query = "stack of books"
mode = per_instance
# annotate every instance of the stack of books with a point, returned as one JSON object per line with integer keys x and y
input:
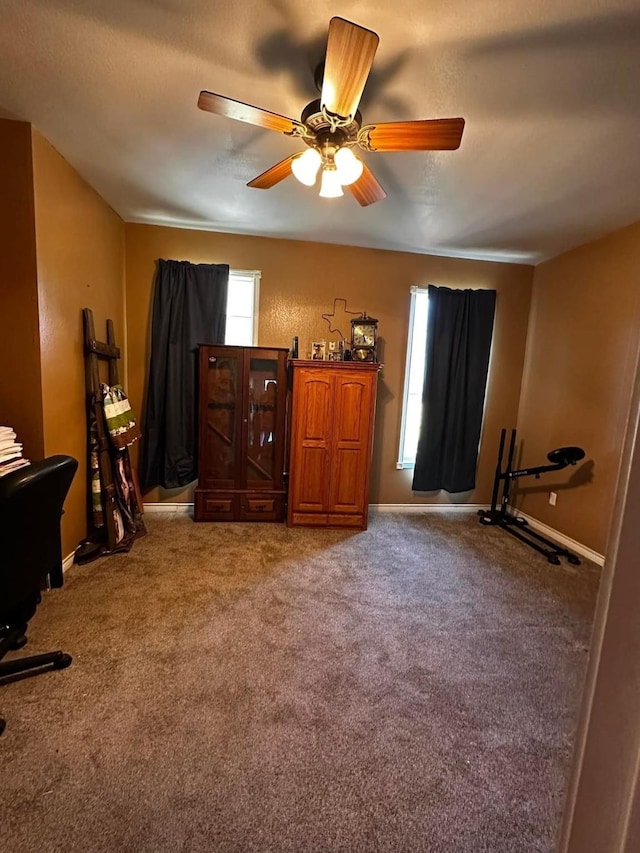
{"x": 10, "y": 452}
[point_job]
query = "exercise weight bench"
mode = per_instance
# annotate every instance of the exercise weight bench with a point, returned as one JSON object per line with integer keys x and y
{"x": 515, "y": 525}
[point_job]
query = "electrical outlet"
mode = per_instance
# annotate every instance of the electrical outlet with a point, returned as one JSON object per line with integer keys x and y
{"x": 553, "y": 497}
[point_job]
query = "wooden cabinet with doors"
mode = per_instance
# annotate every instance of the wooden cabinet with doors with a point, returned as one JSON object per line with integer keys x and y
{"x": 333, "y": 406}
{"x": 242, "y": 405}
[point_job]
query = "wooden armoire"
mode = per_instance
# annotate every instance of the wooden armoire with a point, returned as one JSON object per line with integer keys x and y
{"x": 332, "y": 419}
{"x": 242, "y": 419}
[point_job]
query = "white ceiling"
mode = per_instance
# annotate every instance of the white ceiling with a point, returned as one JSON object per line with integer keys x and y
{"x": 550, "y": 91}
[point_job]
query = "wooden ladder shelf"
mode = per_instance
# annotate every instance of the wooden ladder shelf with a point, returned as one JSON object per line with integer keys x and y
{"x": 94, "y": 351}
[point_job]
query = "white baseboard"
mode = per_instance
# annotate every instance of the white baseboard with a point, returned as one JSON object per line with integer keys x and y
{"x": 561, "y": 539}
{"x": 68, "y": 562}
{"x": 165, "y": 506}
{"x": 440, "y": 508}
{"x": 185, "y": 507}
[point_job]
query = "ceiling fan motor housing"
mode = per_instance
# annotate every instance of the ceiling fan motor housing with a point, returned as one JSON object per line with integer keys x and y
{"x": 317, "y": 121}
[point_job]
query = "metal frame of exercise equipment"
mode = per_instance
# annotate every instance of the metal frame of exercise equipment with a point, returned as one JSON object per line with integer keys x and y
{"x": 514, "y": 524}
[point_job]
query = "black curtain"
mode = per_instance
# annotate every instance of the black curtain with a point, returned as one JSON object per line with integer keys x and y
{"x": 459, "y": 330}
{"x": 189, "y": 308}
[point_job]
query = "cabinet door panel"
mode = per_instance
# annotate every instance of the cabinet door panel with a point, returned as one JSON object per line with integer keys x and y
{"x": 352, "y": 411}
{"x": 260, "y": 419}
{"x": 221, "y": 426}
{"x": 312, "y": 437}
{"x": 315, "y": 405}
{"x": 351, "y": 441}
{"x": 347, "y": 478}
{"x": 312, "y": 480}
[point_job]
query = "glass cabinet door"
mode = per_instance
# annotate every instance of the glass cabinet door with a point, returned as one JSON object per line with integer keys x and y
{"x": 224, "y": 375}
{"x": 262, "y": 386}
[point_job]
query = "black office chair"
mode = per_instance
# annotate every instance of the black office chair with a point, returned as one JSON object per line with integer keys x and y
{"x": 31, "y": 501}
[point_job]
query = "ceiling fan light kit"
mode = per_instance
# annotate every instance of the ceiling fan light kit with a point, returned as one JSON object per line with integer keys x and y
{"x": 330, "y": 186}
{"x": 332, "y": 125}
{"x": 348, "y": 165}
{"x": 305, "y": 166}
{"x": 339, "y": 165}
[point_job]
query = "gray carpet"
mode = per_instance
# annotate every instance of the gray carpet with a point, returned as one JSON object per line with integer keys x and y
{"x": 254, "y": 688}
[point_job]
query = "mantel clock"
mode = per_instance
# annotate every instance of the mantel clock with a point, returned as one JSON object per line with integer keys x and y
{"x": 364, "y": 338}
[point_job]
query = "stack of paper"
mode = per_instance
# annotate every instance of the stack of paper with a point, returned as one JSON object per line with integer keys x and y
{"x": 10, "y": 452}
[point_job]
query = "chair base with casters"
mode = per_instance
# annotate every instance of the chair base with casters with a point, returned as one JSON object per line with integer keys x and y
{"x": 31, "y": 501}
{"x": 14, "y": 637}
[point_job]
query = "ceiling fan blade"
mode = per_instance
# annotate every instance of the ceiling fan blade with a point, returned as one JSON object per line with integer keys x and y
{"x": 223, "y": 106}
{"x": 350, "y": 52}
{"x": 273, "y": 175}
{"x": 440, "y": 134}
{"x": 366, "y": 190}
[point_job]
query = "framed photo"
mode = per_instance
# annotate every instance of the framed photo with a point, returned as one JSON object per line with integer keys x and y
{"x": 318, "y": 350}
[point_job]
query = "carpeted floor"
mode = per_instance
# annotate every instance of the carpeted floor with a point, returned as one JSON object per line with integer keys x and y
{"x": 254, "y": 688}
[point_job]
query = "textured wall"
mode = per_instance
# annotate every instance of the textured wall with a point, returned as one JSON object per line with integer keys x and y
{"x": 80, "y": 250}
{"x": 20, "y": 384}
{"x": 299, "y": 283}
{"x": 582, "y": 343}
{"x": 602, "y": 811}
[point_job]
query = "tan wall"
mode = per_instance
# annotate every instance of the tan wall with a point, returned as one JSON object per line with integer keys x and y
{"x": 80, "y": 250}
{"x": 299, "y": 283}
{"x": 602, "y": 810}
{"x": 20, "y": 384}
{"x": 585, "y": 322}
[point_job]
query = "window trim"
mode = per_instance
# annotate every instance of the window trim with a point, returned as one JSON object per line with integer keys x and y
{"x": 402, "y": 463}
{"x": 256, "y": 275}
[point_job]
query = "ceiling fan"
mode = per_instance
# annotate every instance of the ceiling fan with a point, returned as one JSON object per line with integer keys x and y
{"x": 332, "y": 127}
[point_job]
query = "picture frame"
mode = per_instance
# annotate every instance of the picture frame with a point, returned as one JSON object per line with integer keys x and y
{"x": 318, "y": 350}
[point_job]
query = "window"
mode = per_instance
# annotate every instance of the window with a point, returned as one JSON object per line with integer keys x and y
{"x": 242, "y": 308}
{"x": 413, "y": 378}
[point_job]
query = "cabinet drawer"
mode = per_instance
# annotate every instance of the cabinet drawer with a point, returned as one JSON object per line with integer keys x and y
{"x": 215, "y": 506}
{"x": 260, "y": 504}
{"x": 324, "y": 519}
{"x": 345, "y": 520}
{"x": 218, "y": 505}
{"x": 261, "y": 508}
{"x": 308, "y": 519}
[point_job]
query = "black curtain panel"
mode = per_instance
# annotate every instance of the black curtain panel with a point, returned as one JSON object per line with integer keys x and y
{"x": 459, "y": 331}
{"x": 189, "y": 308}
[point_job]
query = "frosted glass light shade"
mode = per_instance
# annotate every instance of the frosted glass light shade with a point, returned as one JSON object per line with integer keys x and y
{"x": 348, "y": 165}
{"x": 305, "y": 167}
{"x": 330, "y": 186}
